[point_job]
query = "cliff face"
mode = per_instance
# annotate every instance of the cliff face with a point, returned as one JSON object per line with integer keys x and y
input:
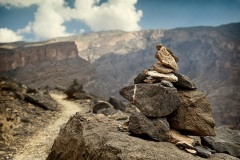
{"x": 106, "y": 61}
{"x": 24, "y": 56}
{"x": 42, "y": 65}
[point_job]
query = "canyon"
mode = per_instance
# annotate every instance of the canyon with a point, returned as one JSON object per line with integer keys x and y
{"x": 105, "y": 62}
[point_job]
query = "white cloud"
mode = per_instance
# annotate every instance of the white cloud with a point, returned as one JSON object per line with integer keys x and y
{"x": 114, "y": 14}
{"x": 48, "y": 21}
{"x": 52, "y": 14}
{"x": 7, "y": 35}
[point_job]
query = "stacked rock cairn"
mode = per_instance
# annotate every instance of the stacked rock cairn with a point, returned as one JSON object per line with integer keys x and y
{"x": 168, "y": 102}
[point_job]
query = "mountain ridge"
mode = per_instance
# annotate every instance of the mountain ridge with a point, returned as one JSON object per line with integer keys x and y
{"x": 105, "y": 63}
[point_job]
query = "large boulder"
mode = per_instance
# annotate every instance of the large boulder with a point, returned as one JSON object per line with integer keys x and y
{"x": 155, "y": 128}
{"x": 153, "y": 100}
{"x": 41, "y": 99}
{"x": 193, "y": 115}
{"x": 225, "y": 141}
{"x": 103, "y": 107}
{"x": 75, "y": 87}
{"x": 70, "y": 142}
{"x": 98, "y": 138}
{"x": 117, "y": 104}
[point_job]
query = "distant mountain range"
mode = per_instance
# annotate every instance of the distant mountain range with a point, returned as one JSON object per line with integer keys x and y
{"x": 106, "y": 61}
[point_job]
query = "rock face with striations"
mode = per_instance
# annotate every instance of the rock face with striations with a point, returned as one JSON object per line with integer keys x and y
{"x": 39, "y": 65}
{"x": 225, "y": 141}
{"x": 153, "y": 100}
{"x": 208, "y": 55}
{"x": 193, "y": 115}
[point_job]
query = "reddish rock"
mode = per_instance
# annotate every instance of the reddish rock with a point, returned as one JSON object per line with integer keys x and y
{"x": 193, "y": 115}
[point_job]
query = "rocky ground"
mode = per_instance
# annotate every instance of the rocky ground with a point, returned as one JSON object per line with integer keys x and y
{"x": 39, "y": 133}
{"x": 27, "y": 131}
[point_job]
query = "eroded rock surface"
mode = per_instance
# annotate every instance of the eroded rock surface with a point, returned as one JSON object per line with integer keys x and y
{"x": 153, "y": 100}
{"x": 98, "y": 138}
{"x": 193, "y": 115}
{"x": 166, "y": 58}
{"x": 225, "y": 141}
{"x": 150, "y": 128}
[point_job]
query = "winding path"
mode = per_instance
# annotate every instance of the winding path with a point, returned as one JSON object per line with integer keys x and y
{"x": 38, "y": 147}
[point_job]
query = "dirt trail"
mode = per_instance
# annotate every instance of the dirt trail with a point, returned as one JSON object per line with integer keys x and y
{"x": 38, "y": 146}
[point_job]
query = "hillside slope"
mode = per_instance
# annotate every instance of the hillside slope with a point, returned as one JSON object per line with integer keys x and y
{"x": 106, "y": 61}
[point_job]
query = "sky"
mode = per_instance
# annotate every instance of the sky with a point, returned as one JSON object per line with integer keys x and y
{"x": 36, "y": 20}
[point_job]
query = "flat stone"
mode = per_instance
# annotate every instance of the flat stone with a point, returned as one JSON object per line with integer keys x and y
{"x": 193, "y": 116}
{"x": 176, "y": 137}
{"x": 154, "y": 128}
{"x": 158, "y": 47}
{"x": 153, "y": 100}
{"x": 202, "y": 152}
{"x": 166, "y": 58}
{"x": 166, "y": 83}
{"x": 140, "y": 78}
{"x": 183, "y": 82}
{"x": 161, "y": 68}
{"x": 168, "y": 77}
{"x": 101, "y": 105}
{"x": 184, "y": 145}
{"x": 225, "y": 141}
{"x": 43, "y": 100}
{"x": 192, "y": 151}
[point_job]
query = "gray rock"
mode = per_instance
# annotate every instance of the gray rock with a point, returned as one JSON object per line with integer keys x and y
{"x": 101, "y": 105}
{"x": 183, "y": 82}
{"x": 202, "y": 152}
{"x": 225, "y": 141}
{"x": 140, "y": 78}
{"x": 166, "y": 83}
{"x": 154, "y": 128}
{"x": 117, "y": 104}
{"x": 70, "y": 142}
{"x": 193, "y": 115}
{"x": 88, "y": 137}
{"x": 153, "y": 100}
{"x": 82, "y": 96}
{"x": 107, "y": 111}
{"x": 75, "y": 87}
{"x": 42, "y": 100}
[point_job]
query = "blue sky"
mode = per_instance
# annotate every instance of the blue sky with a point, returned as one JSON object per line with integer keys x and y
{"x": 34, "y": 20}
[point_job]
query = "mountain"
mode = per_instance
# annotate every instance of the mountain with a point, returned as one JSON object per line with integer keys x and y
{"x": 106, "y": 61}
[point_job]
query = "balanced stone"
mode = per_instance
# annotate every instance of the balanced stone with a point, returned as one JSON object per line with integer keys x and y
{"x": 158, "y": 47}
{"x": 193, "y": 115}
{"x": 153, "y": 100}
{"x": 168, "y": 77}
{"x": 161, "y": 68}
{"x": 183, "y": 82}
{"x": 166, "y": 58}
